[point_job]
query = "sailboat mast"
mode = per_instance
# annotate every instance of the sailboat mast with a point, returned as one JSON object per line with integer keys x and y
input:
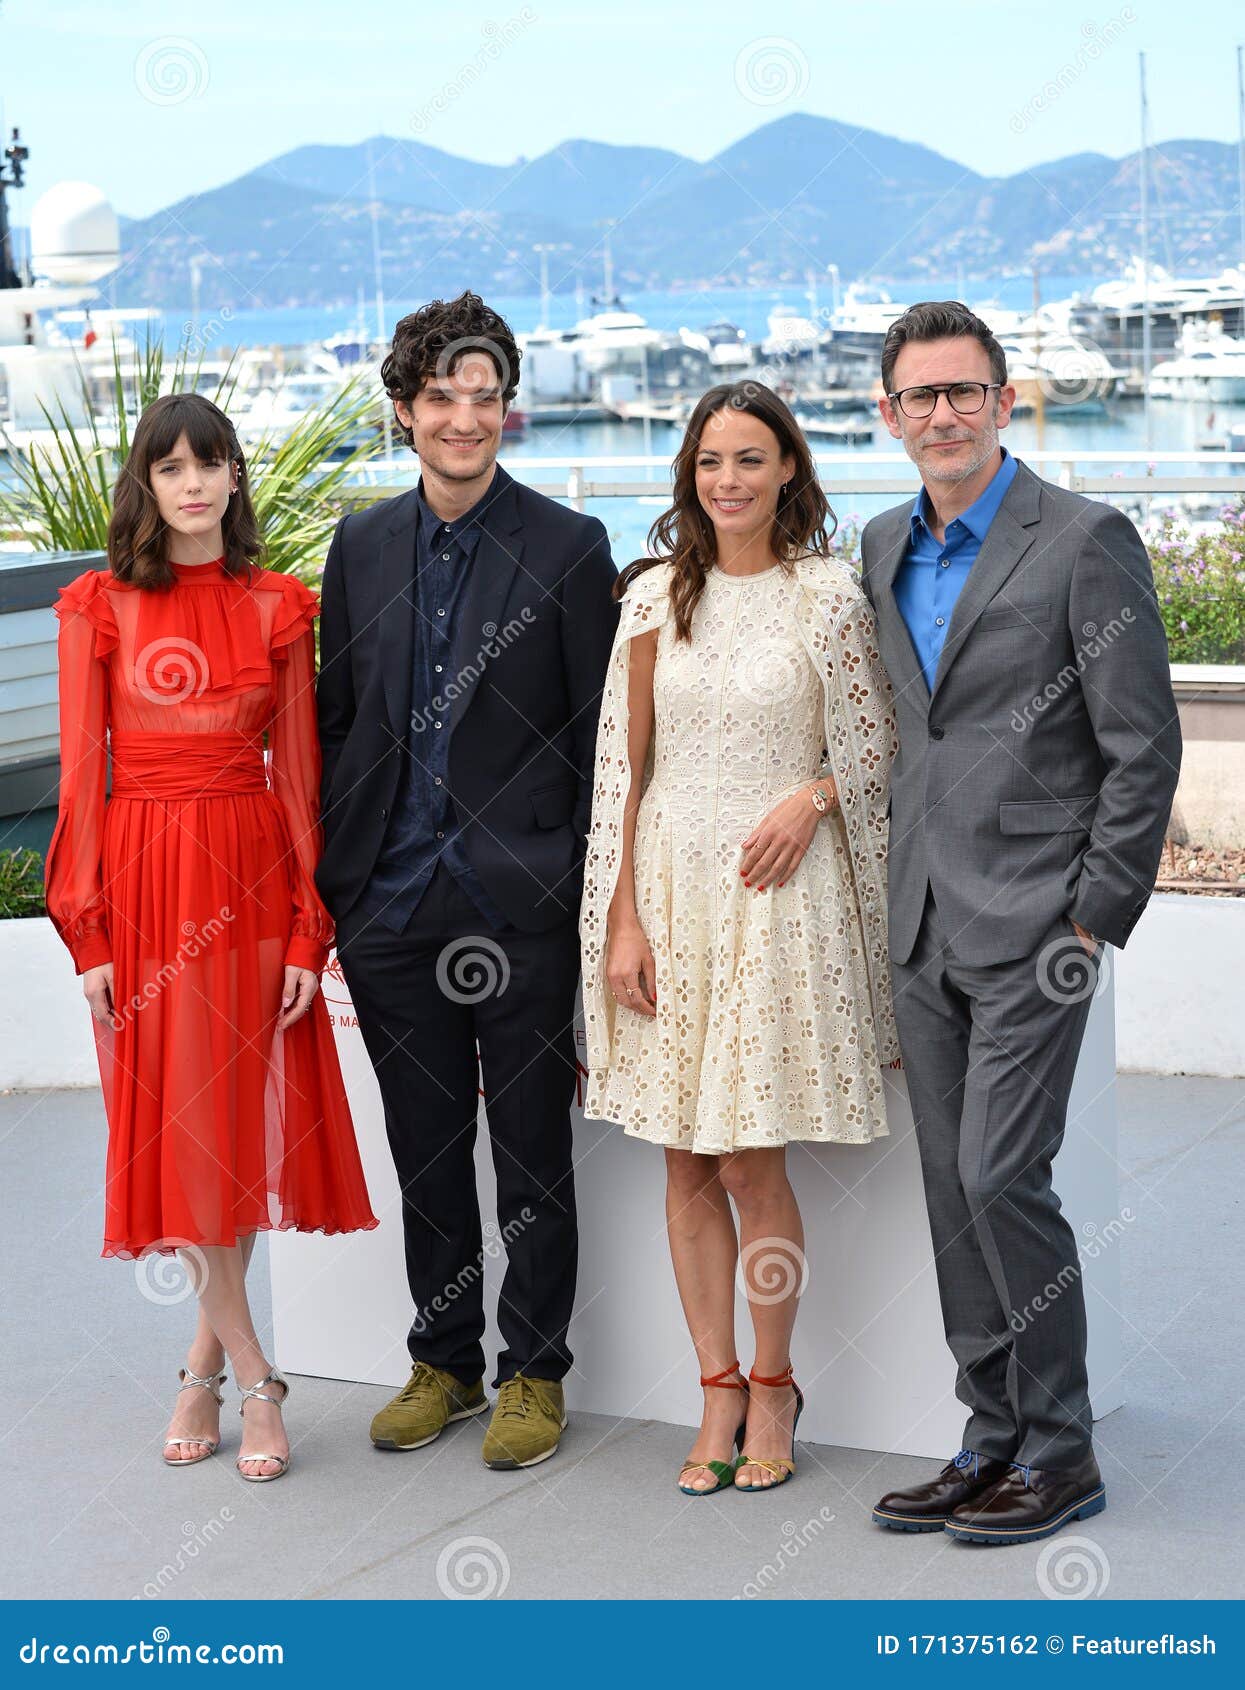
{"x": 1145, "y": 253}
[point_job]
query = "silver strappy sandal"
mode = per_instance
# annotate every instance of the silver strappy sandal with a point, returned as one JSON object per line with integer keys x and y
{"x": 274, "y": 1376}
{"x": 213, "y": 1383}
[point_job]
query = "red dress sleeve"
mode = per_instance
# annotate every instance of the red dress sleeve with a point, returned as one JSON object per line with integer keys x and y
{"x": 295, "y": 769}
{"x": 73, "y": 879}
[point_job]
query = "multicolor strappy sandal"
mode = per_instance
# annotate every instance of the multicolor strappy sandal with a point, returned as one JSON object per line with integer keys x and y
{"x": 723, "y": 1471}
{"x": 782, "y": 1470}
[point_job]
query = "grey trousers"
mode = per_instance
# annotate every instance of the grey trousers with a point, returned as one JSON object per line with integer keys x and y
{"x": 989, "y": 1054}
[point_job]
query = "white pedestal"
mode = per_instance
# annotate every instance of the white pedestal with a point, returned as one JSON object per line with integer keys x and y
{"x": 869, "y": 1350}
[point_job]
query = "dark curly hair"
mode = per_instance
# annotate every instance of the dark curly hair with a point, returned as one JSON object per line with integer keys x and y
{"x": 430, "y": 341}
{"x": 137, "y": 535}
{"x": 685, "y": 536}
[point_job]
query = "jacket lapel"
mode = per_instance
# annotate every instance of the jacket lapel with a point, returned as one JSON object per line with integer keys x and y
{"x": 911, "y": 677}
{"x": 498, "y": 554}
{"x": 397, "y": 610}
{"x": 1009, "y": 538}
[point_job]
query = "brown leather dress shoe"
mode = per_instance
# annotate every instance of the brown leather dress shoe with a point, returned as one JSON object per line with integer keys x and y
{"x": 1031, "y": 1502}
{"x": 927, "y": 1507}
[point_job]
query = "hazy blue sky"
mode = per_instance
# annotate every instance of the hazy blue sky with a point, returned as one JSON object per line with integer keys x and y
{"x": 155, "y": 101}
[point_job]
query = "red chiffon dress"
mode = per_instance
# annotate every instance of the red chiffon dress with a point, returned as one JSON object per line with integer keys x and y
{"x": 194, "y": 879}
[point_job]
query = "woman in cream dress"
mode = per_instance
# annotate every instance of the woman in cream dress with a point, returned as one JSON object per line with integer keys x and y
{"x": 736, "y": 990}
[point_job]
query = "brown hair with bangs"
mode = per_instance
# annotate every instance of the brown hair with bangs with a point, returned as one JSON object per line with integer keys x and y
{"x": 685, "y": 536}
{"x": 137, "y": 534}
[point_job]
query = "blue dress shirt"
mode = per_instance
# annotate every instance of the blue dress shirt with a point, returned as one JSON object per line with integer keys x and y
{"x": 933, "y": 572}
{"x": 423, "y": 827}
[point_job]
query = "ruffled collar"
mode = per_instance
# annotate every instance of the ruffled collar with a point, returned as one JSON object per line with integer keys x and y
{"x": 202, "y": 639}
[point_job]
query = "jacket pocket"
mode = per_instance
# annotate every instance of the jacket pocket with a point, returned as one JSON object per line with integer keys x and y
{"x": 553, "y": 806}
{"x": 1048, "y": 815}
{"x": 1014, "y": 616}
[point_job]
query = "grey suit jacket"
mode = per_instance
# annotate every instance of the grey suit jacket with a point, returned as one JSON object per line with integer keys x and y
{"x": 1037, "y": 778}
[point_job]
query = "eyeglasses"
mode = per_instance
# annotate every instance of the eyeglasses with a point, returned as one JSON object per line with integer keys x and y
{"x": 964, "y": 397}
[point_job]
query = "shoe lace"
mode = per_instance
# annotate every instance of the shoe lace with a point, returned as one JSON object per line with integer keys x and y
{"x": 968, "y": 1458}
{"x": 422, "y": 1381}
{"x": 1021, "y": 1467}
{"x": 516, "y": 1398}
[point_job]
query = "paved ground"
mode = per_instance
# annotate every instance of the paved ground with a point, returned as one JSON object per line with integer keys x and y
{"x": 85, "y": 1392}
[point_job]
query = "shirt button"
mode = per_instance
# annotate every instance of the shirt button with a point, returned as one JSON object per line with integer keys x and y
{"x": 945, "y": 562}
{"x": 437, "y": 667}
{"x": 445, "y": 557}
{"x": 440, "y": 835}
{"x": 436, "y": 780}
{"x": 436, "y": 724}
{"x": 939, "y": 621}
{"x": 440, "y": 613}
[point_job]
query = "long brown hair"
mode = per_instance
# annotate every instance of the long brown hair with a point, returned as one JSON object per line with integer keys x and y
{"x": 137, "y": 535}
{"x": 685, "y": 536}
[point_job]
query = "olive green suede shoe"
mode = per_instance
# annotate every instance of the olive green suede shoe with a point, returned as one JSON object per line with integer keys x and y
{"x": 526, "y": 1423}
{"x": 424, "y": 1407}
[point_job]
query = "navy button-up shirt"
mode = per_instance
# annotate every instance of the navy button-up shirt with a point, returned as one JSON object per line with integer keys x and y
{"x": 933, "y": 572}
{"x": 423, "y": 826}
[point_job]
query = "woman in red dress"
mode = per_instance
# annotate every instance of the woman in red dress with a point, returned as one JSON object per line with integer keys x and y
{"x": 188, "y": 904}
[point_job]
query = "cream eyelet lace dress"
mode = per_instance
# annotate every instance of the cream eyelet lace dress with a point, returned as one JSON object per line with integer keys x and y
{"x": 774, "y": 1016}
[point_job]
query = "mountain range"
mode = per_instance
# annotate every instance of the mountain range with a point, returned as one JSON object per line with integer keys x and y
{"x": 796, "y": 194}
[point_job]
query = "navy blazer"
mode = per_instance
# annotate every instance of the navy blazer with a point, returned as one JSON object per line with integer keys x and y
{"x": 531, "y": 651}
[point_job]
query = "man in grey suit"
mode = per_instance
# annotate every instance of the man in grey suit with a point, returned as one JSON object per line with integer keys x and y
{"x": 1038, "y": 754}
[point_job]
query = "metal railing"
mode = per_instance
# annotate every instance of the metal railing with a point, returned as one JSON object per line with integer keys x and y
{"x": 579, "y": 484}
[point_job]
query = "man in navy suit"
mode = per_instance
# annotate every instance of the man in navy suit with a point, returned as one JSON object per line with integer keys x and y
{"x": 465, "y": 634}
